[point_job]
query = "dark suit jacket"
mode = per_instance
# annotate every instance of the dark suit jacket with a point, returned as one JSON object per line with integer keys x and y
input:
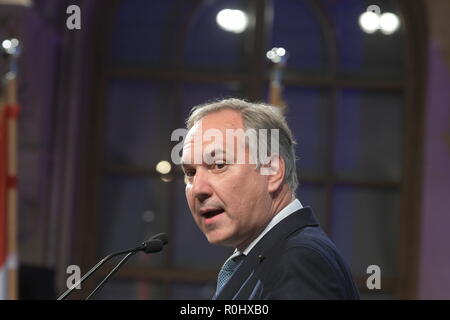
{"x": 294, "y": 260}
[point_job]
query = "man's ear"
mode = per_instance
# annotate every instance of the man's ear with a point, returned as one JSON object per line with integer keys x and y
{"x": 276, "y": 169}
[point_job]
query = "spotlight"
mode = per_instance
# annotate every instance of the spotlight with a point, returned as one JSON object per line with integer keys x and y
{"x": 7, "y": 44}
{"x": 276, "y": 54}
{"x": 230, "y": 20}
{"x": 163, "y": 167}
{"x": 389, "y": 23}
{"x": 280, "y": 52}
{"x": 369, "y": 22}
{"x": 11, "y": 46}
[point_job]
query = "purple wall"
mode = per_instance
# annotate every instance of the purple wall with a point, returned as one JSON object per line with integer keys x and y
{"x": 434, "y": 272}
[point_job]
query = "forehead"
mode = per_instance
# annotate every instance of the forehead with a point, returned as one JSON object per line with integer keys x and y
{"x": 213, "y": 124}
{"x": 220, "y": 120}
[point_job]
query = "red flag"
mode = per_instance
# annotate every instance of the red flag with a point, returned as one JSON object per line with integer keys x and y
{"x": 3, "y": 210}
{"x": 8, "y": 205}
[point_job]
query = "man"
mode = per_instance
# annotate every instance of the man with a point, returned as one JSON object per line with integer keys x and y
{"x": 242, "y": 198}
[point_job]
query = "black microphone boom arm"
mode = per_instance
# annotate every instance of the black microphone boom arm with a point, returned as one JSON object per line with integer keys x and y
{"x": 154, "y": 244}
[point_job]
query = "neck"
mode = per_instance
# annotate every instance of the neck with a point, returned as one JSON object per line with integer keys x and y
{"x": 280, "y": 200}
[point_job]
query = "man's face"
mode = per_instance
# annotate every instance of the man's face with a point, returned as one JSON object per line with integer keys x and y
{"x": 229, "y": 202}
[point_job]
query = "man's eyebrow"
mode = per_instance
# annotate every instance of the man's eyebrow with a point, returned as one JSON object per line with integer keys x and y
{"x": 213, "y": 153}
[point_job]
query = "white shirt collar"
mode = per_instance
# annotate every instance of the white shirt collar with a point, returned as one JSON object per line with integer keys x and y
{"x": 292, "y": 207}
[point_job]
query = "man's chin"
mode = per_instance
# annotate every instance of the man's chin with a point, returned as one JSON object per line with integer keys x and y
{"x": 219, "y": 240}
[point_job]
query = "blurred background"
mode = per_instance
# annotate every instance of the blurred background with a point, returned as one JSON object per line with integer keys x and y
{"x": 367, "y": 96}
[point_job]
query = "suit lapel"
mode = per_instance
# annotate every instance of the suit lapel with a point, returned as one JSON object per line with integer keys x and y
{"x": 242, "y": 279}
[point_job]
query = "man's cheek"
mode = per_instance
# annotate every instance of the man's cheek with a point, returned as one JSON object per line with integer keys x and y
{"x": 191, "y": 207}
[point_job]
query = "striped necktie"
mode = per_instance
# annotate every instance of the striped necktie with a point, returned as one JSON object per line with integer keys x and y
{"x": 228, "y": 269}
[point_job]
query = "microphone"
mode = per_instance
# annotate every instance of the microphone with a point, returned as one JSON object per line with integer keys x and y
{"x": 160, "y": 236}
{"x": 152, "y": 245}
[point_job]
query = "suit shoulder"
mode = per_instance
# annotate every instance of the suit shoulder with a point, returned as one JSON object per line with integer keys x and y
{"x": 315, "y": 244}
{"x": 313, "y": 238}
{"x": 309, "y": 263}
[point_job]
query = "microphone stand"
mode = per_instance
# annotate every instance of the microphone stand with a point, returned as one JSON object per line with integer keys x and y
{"x": 95, "y": 268}
{"x": 113, "y": 271}
{"x": 154, "y": 244}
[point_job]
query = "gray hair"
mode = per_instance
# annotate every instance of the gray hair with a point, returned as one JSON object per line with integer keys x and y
{"x": 257, "y": 116}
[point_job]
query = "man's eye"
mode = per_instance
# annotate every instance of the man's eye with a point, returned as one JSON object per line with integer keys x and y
{"x": 189, "y": 173}
{"x": 220, "y": 165}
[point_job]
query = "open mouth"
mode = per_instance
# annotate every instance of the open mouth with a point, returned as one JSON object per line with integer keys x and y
{"x": 212, "y": 213}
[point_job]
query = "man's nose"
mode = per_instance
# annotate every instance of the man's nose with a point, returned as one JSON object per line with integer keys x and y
{"x": 201, "y": 188}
